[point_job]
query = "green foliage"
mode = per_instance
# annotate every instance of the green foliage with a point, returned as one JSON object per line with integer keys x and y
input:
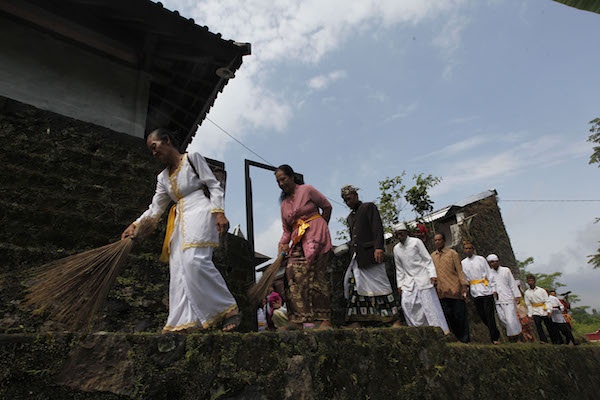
{"x": 546, "y": 281}
{"x": 343, "y": 234}
{"x": 391, "y": 190}
{"x": 594, "y": 259}
{"x": 523, "y": 272}
{"x": 588, "y": 5}
{"x": 595, "y": 138}
{"x": 418, "y": 195}
{"x": 549, "y": 281}
{"x": 583, "y": 321}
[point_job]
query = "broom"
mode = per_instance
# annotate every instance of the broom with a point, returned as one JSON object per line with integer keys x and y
{"x": 72, "y": 289}
{"x": 260, "y": 289}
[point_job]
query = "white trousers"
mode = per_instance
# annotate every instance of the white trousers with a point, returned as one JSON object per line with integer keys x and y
{"x": 422, "y": 308}
{"x": 507, "y": 314}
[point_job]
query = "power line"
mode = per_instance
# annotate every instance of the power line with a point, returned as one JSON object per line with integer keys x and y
{"x": 336, "y": 202}
{"x": 550, "y": 201}
{"x": 253, "y": 152}
{"x": 239, "y": 141}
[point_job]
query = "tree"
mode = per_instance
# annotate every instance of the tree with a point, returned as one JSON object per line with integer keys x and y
{"x": 546, "y": 281}
{"x": 388, "y": 202}
{"x": 418, "y": 195}
{"x": 595, "y": 138}
{"x": 594, "y": 259}
{"x": 392, "y": 192}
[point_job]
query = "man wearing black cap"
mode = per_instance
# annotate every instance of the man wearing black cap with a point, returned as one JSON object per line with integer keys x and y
{"x": 366, "y": 284}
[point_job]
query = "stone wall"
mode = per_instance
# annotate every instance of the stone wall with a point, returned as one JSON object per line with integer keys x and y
{"x": 70, "y": 186}
{"x": 406, "y": 363}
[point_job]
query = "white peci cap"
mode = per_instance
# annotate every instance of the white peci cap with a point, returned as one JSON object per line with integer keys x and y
{"x": 492, "y": 257}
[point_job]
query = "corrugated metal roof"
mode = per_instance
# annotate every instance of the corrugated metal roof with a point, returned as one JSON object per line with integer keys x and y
{"x": 449, "y": 210}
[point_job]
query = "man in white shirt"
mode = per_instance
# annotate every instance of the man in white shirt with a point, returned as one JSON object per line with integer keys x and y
{"x": 416, "y": 279}
{"x": 507, "y": 296}
{"x": 539, "y": 307}
{"x": 559, "y": 320}
{"x": 477, "y": 273}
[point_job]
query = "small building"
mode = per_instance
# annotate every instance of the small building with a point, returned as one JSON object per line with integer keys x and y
{"x": 129, "y": 66}
{"x": 477, "y": 219}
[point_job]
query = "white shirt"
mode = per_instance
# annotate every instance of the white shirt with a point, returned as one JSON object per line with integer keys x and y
{"x": 557, "y": 310}
{"x": 537, "y": 301}
{"x": 505, "y": 285}
{"x": 414, "y": 266}
{"x": 195, "y": 212}
{"x": 476, "y": 268}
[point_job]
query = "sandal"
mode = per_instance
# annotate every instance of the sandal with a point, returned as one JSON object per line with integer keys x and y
{"x": 232, "y": 322}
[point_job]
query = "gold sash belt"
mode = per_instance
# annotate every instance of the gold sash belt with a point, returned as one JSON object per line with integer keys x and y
{"x": 164, "y": 256}
{"x": 476, "y": 281}
{"x": 302, "y": 225}
{"x": 539, "y": 305}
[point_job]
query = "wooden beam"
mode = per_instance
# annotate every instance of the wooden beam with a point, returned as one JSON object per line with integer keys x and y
{"x": 65, "y": 27}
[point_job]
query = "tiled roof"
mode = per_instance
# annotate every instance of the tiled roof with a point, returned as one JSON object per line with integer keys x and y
{"x": 187, "y": 64}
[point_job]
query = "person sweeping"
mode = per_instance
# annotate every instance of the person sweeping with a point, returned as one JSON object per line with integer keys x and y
{"x": 198, "y": 295}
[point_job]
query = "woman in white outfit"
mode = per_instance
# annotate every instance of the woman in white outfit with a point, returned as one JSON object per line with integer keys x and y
{"x": 198, "y": 295}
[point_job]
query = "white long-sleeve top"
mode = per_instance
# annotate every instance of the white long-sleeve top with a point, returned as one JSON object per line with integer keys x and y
{"x": 476, "y": 269}
{"x": 557, "y": 310}
{"x": 504, "y": 285}
{"x": 414, "y": 266}
{"x": 194, "y": 210}
{"x": 537, "y": 302}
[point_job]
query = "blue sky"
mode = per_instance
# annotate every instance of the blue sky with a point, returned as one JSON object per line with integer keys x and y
{"x": 484, "y": 94}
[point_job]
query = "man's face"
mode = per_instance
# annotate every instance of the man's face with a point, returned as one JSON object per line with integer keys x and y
{"x": 351, "y": 200}
{"x": 439, "y": 241}
{"x": 494, "y": 264}
{"x": 402, "y": 235}
{"x": 469, "y": 249}
{"x": 531, "y": 282}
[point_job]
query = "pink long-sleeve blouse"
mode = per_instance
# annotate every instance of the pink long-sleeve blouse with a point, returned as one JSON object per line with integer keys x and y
{"x": 303, "y": 204}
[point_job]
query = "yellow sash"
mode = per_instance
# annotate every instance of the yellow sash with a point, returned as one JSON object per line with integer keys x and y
{"x": 302, "y": 227}
{"x": 476, "y": 281}
{"x": 539, "y": 305}
{"x": 164, "y": 256}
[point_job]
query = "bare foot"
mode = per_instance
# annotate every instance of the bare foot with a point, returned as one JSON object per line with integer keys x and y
{"x": 397, "y": 324}
{"x": 324, "y": 326}
{"x": 231, "y": 321}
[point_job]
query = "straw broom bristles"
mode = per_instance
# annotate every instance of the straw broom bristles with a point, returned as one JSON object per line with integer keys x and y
{"x": 72, "y": 289}
{"x": 260, "y": 289}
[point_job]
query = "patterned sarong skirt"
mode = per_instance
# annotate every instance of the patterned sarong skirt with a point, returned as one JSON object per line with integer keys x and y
{"x": 307, "y": 287}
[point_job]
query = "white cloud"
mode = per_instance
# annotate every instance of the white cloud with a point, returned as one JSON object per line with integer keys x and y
{"x": 403, "y": 111}
{"x": 572, "y": 262}
{"x": 471, "y": 161}
{"x": 241, "y": 107}
{"x": 322, "y": 81}
{"x": 266, "y": 241}
{"x": 284, "y": 32}
{"x": 449, "y": 41}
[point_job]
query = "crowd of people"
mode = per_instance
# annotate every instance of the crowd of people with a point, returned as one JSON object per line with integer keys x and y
{"x": 430, "y": 290}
